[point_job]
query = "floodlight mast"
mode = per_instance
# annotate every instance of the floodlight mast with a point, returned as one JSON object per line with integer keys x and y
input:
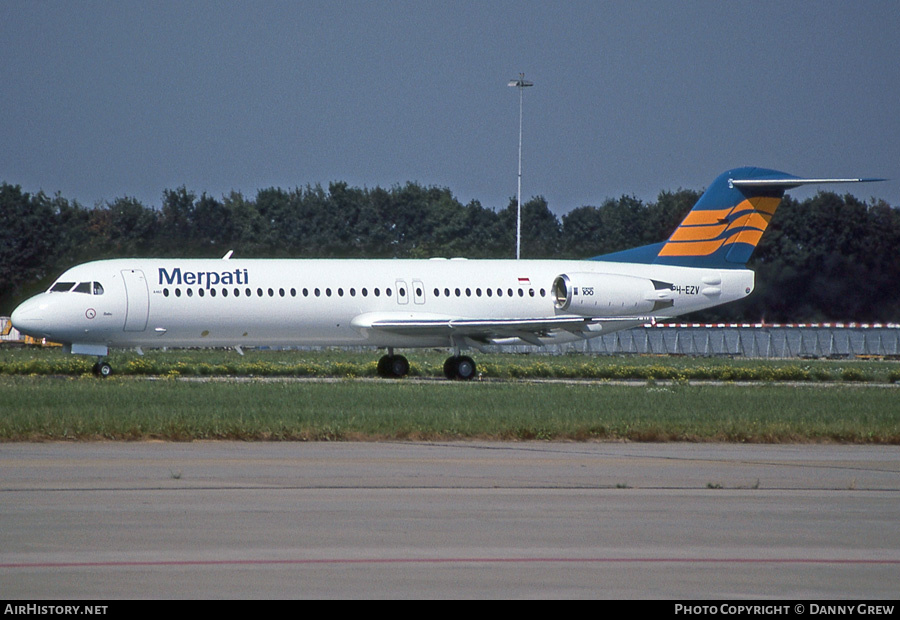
{"x": 521, "y": 84}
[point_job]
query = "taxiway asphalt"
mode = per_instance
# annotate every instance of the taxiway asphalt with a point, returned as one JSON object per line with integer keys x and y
{"x": 111, "y": 520}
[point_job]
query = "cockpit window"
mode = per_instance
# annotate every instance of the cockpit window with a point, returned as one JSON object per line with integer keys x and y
{"x": 98, "y": 288}
{"x": 62, "y": 287}
{"x": 83, "y": 287}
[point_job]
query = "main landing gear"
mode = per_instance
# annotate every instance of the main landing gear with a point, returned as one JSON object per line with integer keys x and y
{"x": 102, "y": 369}
{"x": 460, "y": 367}
{"x": 393, "y": 366}
{"x": 457, "y": 367}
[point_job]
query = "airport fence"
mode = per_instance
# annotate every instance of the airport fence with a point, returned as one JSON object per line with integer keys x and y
{"x": 752, "y": 340}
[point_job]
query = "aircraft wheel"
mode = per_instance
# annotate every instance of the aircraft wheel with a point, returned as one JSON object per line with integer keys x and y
{"x": 465, "y": 368}
{"x": 450, "y": 367}
{"x": 393, "y": 366}
{"x": 384, "y": 366}
{"x": 462, "y": 368}
{"x": 102, "y": 370}
{"x": 399, "y": 366}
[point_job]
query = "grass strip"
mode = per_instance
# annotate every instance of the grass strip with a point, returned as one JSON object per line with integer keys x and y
{"x": 54, "y": 408}
{"x": 337, "y": 363}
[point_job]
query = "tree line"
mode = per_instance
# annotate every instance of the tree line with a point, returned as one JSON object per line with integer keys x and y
{"x": 826, "y": 258}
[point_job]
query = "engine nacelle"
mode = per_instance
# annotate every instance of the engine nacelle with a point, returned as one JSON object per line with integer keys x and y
{"x": 601, "y": 294}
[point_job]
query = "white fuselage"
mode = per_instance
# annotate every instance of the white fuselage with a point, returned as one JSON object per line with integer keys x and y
{"x": 286, "y": 302}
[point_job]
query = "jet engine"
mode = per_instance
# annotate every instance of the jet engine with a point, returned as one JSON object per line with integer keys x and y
{"x": 601, "y": 294}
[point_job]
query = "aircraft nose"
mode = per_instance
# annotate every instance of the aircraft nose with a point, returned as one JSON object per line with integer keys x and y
{"x": 28, "y": 317}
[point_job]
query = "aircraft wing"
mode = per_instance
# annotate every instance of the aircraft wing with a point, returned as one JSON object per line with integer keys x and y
{"x": 486, "y": 331}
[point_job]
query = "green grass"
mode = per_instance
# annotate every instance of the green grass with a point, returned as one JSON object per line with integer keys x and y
{"x": 53, "y": 408}
{"x": 429, "y": 363}
{"x": 47, "y": 395}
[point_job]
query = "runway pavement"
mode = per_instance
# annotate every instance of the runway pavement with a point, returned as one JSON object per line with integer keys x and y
{"x": 450, "y": 520}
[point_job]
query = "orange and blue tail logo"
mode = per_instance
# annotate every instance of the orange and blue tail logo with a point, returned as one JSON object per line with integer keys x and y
{"x": 703, "y": 233}
{"x": 726, "y": 224}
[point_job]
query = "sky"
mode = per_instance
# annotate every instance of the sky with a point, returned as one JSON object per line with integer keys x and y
{"x": 101, "y": 100}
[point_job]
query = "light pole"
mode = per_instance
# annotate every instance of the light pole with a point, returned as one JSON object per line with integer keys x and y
{"x": 521, "y": 84}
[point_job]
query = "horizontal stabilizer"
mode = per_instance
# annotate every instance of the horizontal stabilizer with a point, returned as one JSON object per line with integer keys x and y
{"x": 792, "y": 182}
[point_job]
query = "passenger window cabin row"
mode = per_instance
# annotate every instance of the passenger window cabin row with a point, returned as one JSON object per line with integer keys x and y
{"x": 351, "y": 292}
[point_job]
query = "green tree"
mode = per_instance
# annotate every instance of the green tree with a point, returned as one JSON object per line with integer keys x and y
{"x": 176, "y": 221}
{"x": 246, "y": 232}
{"x": 615, "y": 225}
{"x": 211, "y": 224}
{"x": 540, "y": 234}
{"x": 29, "y": 240}
{"x": 123, "y": 227}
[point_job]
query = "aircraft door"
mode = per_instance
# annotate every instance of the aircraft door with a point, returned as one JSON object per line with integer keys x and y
{"x": 137, "y": 297}
{"x": 402, "y": 292}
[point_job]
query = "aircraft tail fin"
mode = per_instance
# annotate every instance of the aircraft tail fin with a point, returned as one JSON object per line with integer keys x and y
{"x": 725, "y": 226}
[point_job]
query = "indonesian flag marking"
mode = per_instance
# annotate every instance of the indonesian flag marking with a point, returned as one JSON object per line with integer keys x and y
{"x": 524, "y": 282}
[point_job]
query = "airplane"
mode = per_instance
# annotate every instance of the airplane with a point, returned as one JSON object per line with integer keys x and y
{"x": 395, "y": 303}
